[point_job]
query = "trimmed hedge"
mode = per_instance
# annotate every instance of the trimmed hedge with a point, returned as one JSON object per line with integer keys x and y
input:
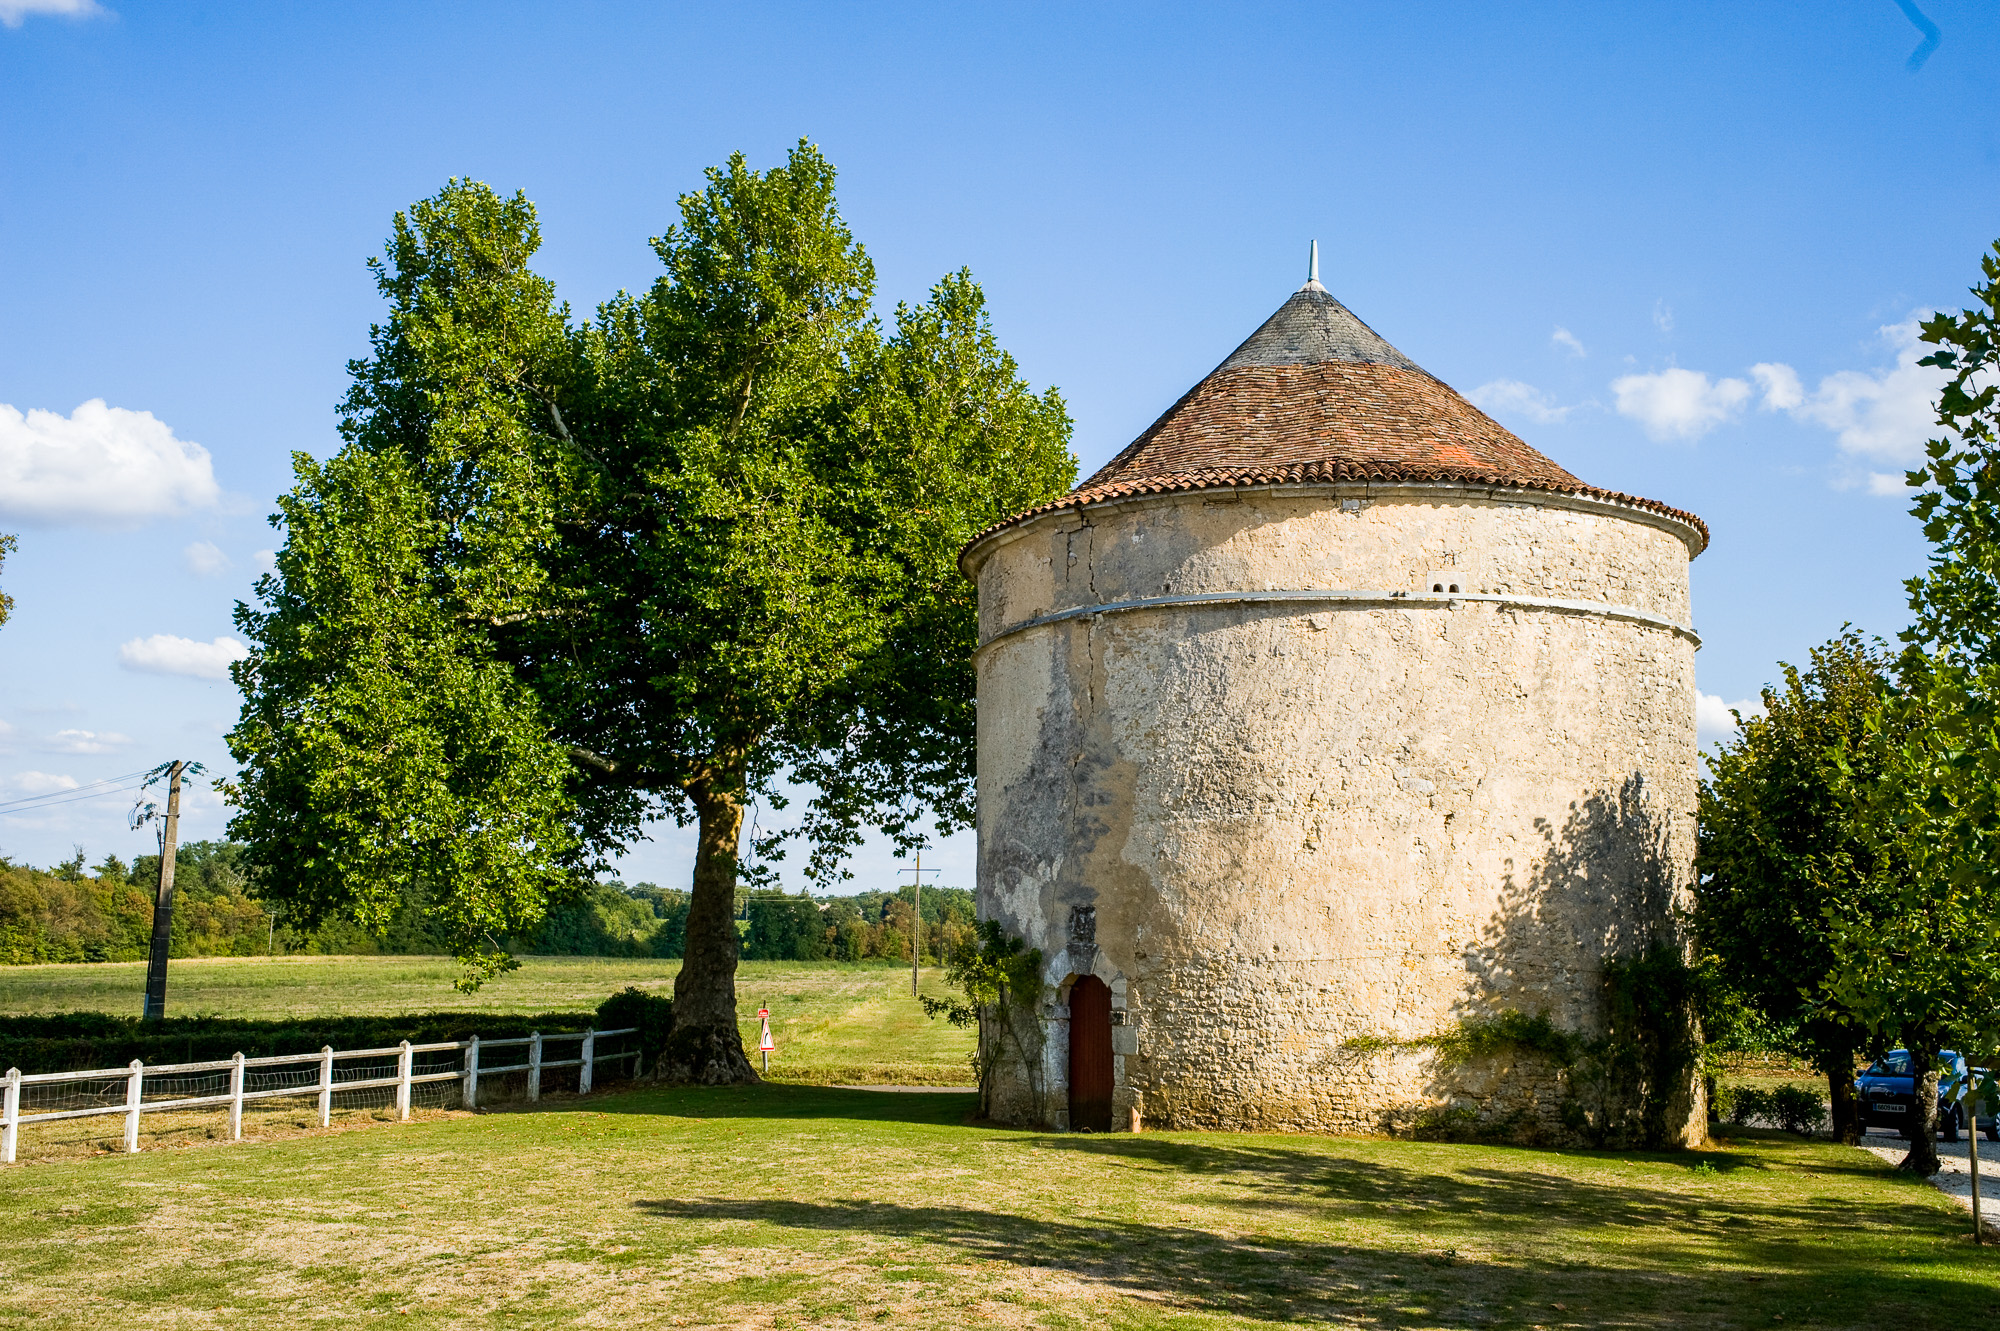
{"x": 1794, "y": 1108}
{"x": 75, "y": 1041}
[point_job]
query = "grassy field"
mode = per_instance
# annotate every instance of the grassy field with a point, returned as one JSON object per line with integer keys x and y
{"x": 832, "y": 1021}
{"x": 790, "y": 1206}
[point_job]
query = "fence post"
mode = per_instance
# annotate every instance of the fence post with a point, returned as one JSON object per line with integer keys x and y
{"x": 471, "y": 1095}
{"x": 10, "y": 1116}
{"x": 325, "y": 1085}
{"x": 236, "y": 1098}
{"x": 589, "y": 1053}
{"x": 403, "y": 1061}
{"x": 134, "y": 1085}
{"x": 534, "y": 1065}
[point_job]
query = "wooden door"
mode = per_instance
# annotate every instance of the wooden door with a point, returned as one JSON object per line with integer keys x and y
{"x": 1089, "y": 1055}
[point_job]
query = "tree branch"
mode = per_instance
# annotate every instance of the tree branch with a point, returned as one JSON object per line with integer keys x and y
{"x": 621, "y": 773}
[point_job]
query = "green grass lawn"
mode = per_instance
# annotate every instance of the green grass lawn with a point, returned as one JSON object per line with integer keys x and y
{"x": 791, "y": 1206}
{"x": 833, "y": 1021}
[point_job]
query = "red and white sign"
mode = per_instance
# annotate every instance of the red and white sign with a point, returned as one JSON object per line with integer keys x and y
{"x": 764, "y": 1043}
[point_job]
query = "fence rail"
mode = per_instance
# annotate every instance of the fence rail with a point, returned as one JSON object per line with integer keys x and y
{"x": 293, "y": 1078}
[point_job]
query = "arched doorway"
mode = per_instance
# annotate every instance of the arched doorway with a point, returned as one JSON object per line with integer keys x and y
{"x": 1090, "y": 1055}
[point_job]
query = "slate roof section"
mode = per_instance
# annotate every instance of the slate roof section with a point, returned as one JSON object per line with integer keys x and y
{"x": 1317, "y": 397}
{"x": 1312, "y": 328}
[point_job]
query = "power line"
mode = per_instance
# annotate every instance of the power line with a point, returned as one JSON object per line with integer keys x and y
{"x": 72, "y": 790}
{"x": 117, "y": 785}
{"x": 77, "y": 799}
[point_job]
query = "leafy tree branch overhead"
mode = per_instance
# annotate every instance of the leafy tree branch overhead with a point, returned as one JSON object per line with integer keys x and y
{"x": 6, "y": 601}
{"x": 569, "y": 575}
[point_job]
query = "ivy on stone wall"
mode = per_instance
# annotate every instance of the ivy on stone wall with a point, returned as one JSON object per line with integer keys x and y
{"x": 999, "y": 980}
{"x": 1620, "y": 1088}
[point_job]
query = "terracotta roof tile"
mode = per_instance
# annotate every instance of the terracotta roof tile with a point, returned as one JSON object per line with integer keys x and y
{"x": 1317, "y": 397}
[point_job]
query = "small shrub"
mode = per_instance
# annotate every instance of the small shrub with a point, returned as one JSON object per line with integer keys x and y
{"x": 1454, "y": 1123}
{"x": 652, "y": 1014}
{"x": 1461, "y": 1123}
{"x": 1797, "y": 1109}
{"x": 1747, "y": 1103}
{"x": 1722, "y": 1104}
{"x": 1792, "y": 1107}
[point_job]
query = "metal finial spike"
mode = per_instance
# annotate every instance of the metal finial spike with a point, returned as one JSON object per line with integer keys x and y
{"x": 1312, "y": 275}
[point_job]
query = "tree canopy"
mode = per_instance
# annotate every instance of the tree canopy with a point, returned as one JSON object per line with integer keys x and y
{"x": 1849, "y": 838}
{"x": 1926, "y": 970}
{"x": 569, "y": 575}
{"x": 1785, "y": 852}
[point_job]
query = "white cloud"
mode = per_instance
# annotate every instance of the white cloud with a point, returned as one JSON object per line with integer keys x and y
{"x": 205, "y": 558}
{"x": 39, "y": 783}
{"x": 1663, "y": 316}
{"x": 13, "y": 12}
{"x": 1679, "y": 404}
{"x": 1562, "y": 337}
{"x": 1515, "y": 397}
{"x": 1888, "y": 484}
{"x": 267, "y": 560}
{"x": 1883, "y": 415}
{"x": 98, "y": 464}
{"x": 165, "y": 654}
{"x": 1712, "y": 719}
{"x": 86, "y": 741}
{"x": 1782, "y": 389}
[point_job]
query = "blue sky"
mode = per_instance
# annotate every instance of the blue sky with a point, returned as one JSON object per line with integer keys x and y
{"x": 1676, "y": 247}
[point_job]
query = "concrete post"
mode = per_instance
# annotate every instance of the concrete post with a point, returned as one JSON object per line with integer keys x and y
{"x": 471, "y": 1095}
{"x": 135, "y": 1084}
{"x": 534, "y": 1065}
{"x": 236, "y": 1098}
{"x": 403, "y": 1061}
{"x": 325, "y": 1085}
{"x": 588, "y": 1055}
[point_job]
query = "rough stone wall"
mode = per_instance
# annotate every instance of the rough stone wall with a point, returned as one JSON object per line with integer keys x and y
{"x": 1292, "y": 826}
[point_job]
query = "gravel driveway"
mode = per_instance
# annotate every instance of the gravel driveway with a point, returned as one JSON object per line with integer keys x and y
{"x": 1954, "y": 1177}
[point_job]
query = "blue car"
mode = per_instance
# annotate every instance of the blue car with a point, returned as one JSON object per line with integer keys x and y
{"x": 1885, "y": 1097}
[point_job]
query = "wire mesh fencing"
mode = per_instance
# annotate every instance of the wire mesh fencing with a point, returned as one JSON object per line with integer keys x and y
{"x": 71, "y": 1111}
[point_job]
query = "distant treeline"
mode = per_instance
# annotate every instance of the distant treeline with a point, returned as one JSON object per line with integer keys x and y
{"x": 105, "y": 913}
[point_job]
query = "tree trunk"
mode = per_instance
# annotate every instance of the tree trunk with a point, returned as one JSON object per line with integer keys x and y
{"x": 1923, "y": 1157}
{"x": 1840, "y": 1093}
{"x": 706, "y": 1046}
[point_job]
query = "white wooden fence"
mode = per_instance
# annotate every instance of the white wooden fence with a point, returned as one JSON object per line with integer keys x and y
{"x": 286, "y": 1075}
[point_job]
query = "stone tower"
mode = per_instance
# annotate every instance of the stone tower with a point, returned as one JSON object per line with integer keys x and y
{"x": 1325, "y": 717}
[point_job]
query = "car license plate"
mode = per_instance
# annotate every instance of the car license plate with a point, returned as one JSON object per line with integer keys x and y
{"x": 1890, "y": 1109}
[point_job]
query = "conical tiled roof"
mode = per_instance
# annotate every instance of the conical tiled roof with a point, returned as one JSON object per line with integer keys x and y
{"x": 1317, "y": 397}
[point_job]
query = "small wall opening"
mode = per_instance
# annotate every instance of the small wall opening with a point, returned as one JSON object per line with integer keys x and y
{"x": 1445, "y": 582}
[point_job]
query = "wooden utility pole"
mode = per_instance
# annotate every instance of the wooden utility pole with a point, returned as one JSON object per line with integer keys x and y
{"x": 916, "y": 918}
{"x": 163, "y": 903}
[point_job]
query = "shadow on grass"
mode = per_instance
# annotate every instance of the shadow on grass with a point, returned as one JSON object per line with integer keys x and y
{"x": 1325, "y": 1228}
{"x": 1275, "y": 1276}
{"x": 788, "y": 1100}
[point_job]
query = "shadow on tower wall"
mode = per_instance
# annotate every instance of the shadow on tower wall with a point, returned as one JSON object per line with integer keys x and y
{"x": 1577, "y": 1024}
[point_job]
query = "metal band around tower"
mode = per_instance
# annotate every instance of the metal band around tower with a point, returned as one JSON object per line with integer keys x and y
{"x": 1358, "y": 600}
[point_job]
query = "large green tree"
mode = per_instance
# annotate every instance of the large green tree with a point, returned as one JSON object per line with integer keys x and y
{"x": 1785, "y": 851}
{"x": 568, "y": 575}
{"x": 1920, "y": 964}
{"x": 1923, "y": 967}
